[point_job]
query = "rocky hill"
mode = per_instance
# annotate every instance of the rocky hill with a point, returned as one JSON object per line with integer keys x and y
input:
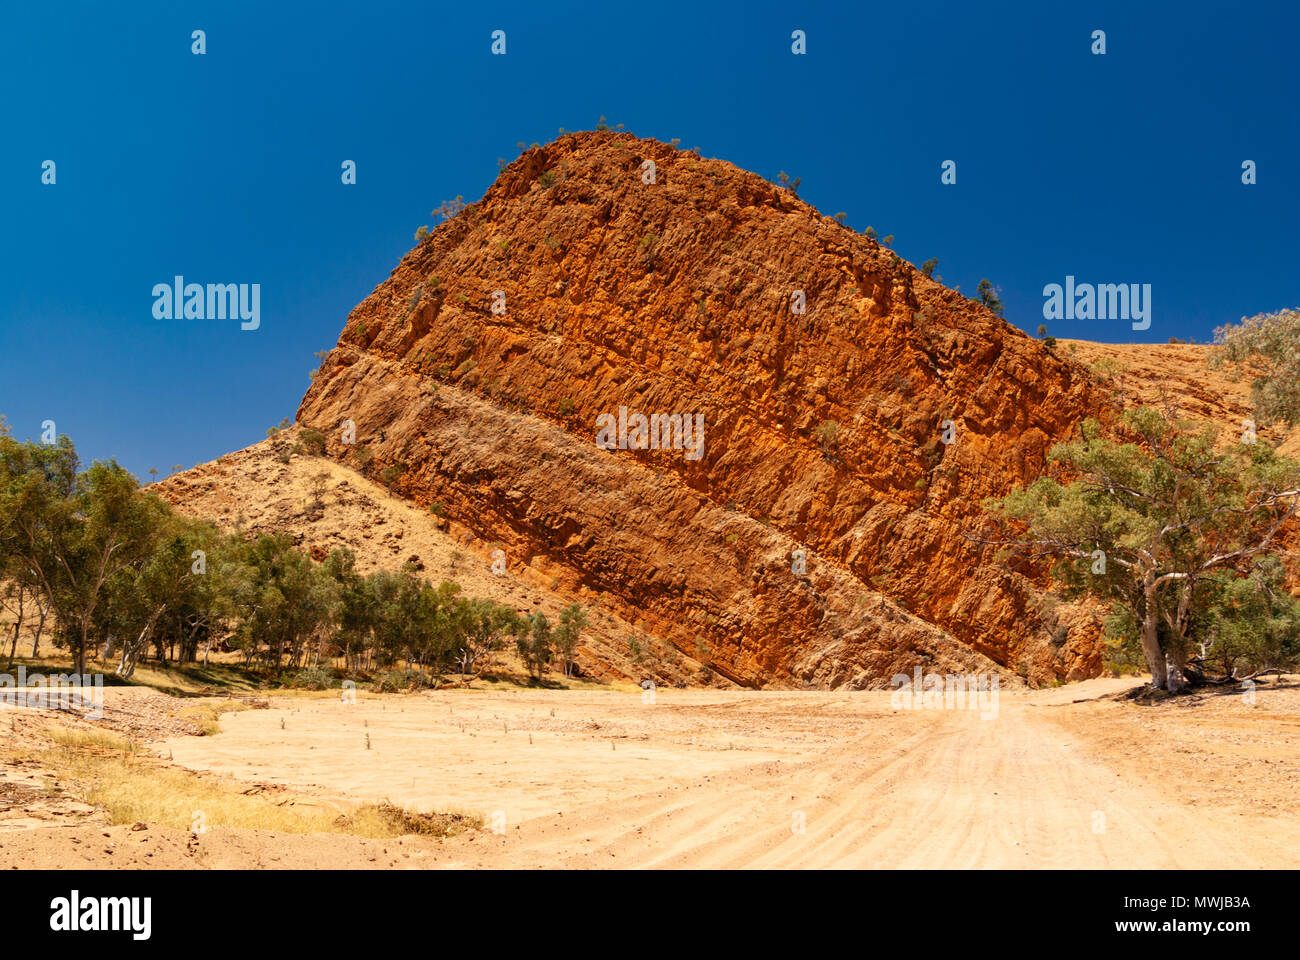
{"x": 825, "y": 370}
{"x": 849, "y": 417}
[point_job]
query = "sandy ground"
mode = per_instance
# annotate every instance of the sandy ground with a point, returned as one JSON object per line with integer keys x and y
{"x": 744, "y": 779}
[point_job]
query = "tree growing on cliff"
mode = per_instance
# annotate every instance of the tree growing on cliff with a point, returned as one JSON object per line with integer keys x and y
{"x": 989, "y": 296}
{"x": 1164, "y": 527}
{"x": 1267, "y": 348}
{"x": 450, "y": 209}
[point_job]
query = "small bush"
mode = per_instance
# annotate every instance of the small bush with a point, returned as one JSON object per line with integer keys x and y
{"x": 827, "y": 435}
{"x": 396, "y": 681}
{"x": 313, "y": 440}
{"x": 313, "y": 678}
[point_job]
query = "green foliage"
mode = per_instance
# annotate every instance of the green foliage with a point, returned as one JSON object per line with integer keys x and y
{"x": 114, "y": 562}
{"x": 1179, "y": 520}
{"x": 988, "y": 296}
{"x": 1265, "y": 347}
{"x": 533, "y": 642}
{"x": 312, "y": 440}
{"x": 1250, "y": 619}
{"x": 572, "y": 621}
{"x": 314, "y": 678}
{"x": 929, "y": 266}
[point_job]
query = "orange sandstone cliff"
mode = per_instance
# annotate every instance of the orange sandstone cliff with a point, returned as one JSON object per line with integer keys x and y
{"x": 476, "y": 373}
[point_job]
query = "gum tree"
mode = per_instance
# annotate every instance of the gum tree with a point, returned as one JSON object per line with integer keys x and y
{"x": 572, "y": 621}
{"x": 1160, "y": 526}
{"x": 1267, "y": 348}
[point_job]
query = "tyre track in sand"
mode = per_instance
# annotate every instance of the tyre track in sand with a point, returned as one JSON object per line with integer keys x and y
{"x": 1008, "y": 791}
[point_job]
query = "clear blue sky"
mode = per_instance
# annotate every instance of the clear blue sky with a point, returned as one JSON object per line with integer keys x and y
{"x": 226, "y": 167}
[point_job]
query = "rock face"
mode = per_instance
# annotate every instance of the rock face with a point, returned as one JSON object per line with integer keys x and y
{"x": 825, "y": 370}
{"x": 276, "y": 486}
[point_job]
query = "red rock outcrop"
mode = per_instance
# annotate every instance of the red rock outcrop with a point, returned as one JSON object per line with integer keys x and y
{"x": 476, "y": 374}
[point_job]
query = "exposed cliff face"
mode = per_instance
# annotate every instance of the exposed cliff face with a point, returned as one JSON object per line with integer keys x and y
{"x": 271, "y": 487}
{"x": 823, "y": 430}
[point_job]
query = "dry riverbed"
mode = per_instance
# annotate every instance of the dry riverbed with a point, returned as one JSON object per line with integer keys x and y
{"x": 1056, "y": 778}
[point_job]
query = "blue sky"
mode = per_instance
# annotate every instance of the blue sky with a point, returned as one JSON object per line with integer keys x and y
{"x": 226, "y": 167}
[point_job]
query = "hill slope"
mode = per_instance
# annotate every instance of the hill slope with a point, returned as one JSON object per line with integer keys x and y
{"x": 822, "y": 428}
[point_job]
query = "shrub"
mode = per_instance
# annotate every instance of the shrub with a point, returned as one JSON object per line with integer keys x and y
{"x": 312, "y": 440}
{"x": 988, "y": 296}
{"x": 396, "y": 681}
{"x": 827, "y": 435}
{"x": 1263, "y": 347}
{"x": 313, "y": 678}
{"x": 450, "y": 208}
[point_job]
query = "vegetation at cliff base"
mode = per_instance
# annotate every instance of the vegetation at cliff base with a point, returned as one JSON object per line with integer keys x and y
{"x": 110, "y": 569}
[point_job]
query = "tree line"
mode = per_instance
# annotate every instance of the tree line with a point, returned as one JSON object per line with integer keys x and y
{"x": 108, "y": 568}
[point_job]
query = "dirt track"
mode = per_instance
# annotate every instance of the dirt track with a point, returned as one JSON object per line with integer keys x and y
{"x": 702, "y": 779}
